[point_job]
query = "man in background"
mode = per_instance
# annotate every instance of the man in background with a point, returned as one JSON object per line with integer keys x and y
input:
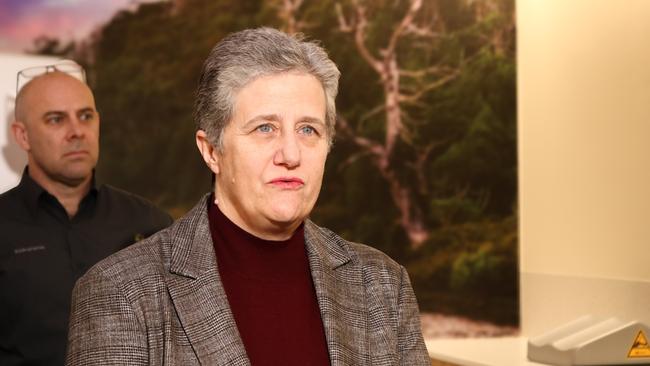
{"x": 57, "y": 222}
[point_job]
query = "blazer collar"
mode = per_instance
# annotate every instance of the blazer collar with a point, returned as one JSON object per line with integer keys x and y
{"x": 340, "y": 289}
{"x": 197, "y": 293}
{"x": 192, "y": 252}
{"x": 325, "y": 245}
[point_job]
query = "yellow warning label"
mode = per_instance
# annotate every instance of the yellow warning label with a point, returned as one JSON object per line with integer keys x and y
{"x": 640, "y": 347}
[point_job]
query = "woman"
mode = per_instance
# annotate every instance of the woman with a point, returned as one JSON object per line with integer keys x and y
{"x": 245, "y": 278}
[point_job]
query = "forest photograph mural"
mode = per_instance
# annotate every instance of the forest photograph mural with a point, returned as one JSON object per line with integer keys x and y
{"x": 424, "y": 161}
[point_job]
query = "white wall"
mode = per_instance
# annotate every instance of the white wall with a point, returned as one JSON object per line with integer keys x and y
{"x": 584, "y": 159}
{"x": 12, "y": 158}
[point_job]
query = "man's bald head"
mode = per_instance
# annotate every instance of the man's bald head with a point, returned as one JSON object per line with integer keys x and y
{"x": 57, "y": 124}
{"x": 33, "y": 91}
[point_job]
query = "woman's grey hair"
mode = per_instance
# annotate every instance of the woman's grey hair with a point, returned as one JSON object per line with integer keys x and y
{"x": 244, "y": 56}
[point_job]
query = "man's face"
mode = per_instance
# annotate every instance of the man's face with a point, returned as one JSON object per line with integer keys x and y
{"x": 270, "y": 169}
{"x": 60, "y": 127}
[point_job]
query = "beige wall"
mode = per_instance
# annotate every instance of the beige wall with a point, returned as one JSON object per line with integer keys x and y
{"x": 584, "y": 158}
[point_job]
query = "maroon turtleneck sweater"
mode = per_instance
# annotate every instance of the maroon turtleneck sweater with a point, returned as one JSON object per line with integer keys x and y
{"x": 271, "y": 294}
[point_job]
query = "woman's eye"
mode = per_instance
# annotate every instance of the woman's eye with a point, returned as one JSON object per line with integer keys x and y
{"x": 307, "y": 130}
{"x": 265, "y": 128}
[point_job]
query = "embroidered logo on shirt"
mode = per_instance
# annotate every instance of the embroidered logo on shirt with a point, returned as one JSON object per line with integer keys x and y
{"x": 33, "y": 248}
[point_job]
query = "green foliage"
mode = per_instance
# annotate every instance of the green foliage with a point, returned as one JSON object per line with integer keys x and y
{"x": 482, "y": 160}
{"x": 470, "y": 269}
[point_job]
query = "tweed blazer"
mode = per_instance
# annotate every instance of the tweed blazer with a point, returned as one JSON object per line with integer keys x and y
{"x": 161, "y": 302}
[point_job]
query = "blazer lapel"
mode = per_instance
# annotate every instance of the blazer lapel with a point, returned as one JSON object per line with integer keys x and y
{"x": 198, "y": 295}
{"x": 341, "y": 296}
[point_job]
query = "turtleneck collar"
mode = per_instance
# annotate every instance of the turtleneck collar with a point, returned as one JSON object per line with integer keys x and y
{"x": 254, "y": 258}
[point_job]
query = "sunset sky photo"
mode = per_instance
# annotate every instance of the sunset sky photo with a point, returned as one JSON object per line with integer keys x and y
{"x": 22, "y": 21}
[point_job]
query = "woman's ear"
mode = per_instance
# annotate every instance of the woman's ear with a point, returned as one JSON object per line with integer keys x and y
{"x": 209, "y": 153}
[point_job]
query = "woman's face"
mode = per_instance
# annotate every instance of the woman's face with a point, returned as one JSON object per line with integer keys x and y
{"x": 270, "y": 169}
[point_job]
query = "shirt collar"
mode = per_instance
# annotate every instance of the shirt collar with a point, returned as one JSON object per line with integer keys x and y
{"x": 33, "y": 193}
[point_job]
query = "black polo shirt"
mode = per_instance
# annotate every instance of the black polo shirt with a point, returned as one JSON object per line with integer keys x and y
{"x": 43, "y": 253}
